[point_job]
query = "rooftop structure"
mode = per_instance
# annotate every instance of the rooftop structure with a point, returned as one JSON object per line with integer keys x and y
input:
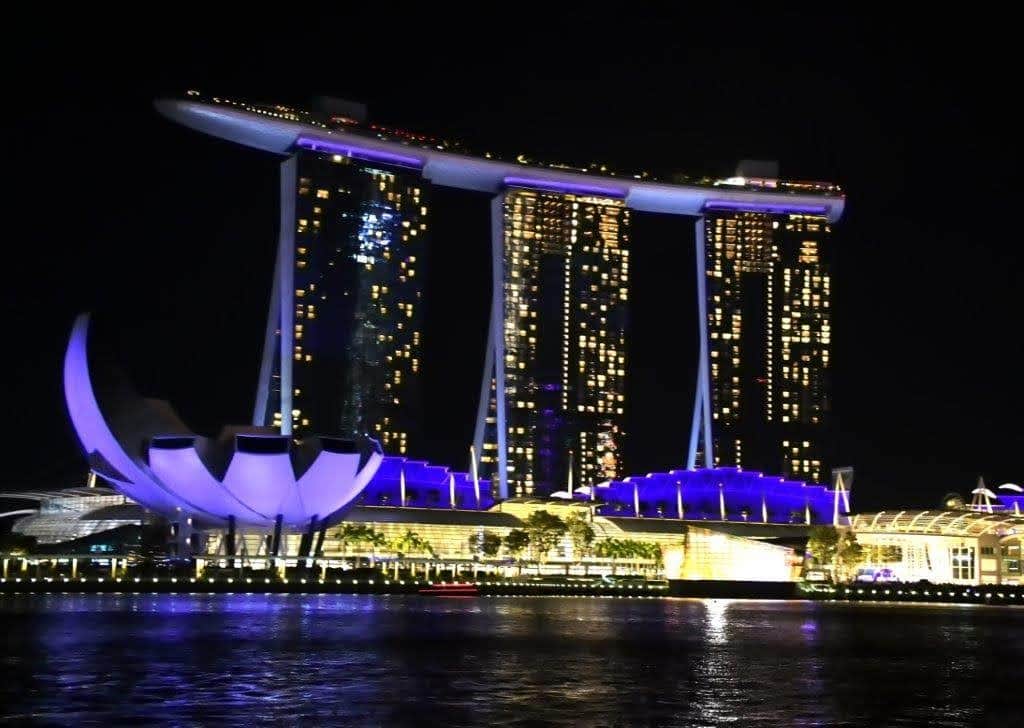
{"x": 283, "y": 130}
{"x": 74, "y": 513}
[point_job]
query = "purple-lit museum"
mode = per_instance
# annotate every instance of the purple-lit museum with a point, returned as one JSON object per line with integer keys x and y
{"x": 246, "y": 476}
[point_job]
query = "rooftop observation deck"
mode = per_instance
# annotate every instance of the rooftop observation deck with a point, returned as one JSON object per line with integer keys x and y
{"x": 283, "y": 130}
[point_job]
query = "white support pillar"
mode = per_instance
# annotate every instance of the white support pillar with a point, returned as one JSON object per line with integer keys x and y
{"x": 260, "y": 416}
{"x": 476, "y": 475}
{"x": 679, "y": 500}
{"x": 835, "y": 500}
{"x": 286, "y": 287}
{"x": 702, "y": 396}
{"x": 498, "y": 334}
{"x": 691, "y": 458}
{"x": 486, "y": 382}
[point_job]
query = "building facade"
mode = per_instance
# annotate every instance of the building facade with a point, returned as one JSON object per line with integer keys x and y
{"x": 962, "y": 546}
{"x": 769, "y": 339}
{"x": 552, "y": 395}
{"x": 558, "y": 337}
{"x": 349, "y": 275}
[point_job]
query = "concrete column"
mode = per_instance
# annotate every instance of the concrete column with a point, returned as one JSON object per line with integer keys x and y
{"x": 498, "y": 331}
{"x": 229, "y": 544}
{"x": 286, "y": 283}
{"x": 702, "y": 397}
{"x": 275, "y": 546}
{"x": 6, "y": 567}
{"x": 74, "y": 568}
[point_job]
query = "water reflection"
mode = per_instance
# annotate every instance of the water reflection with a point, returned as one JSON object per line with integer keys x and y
{"x": 324, "y": 659}
{"x": 715, "y": 620}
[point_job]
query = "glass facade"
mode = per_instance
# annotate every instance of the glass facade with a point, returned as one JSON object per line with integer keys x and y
{"x": 565, "y": 274}
{"x": 769, "y": 331}
{"x": 360, "y": 239}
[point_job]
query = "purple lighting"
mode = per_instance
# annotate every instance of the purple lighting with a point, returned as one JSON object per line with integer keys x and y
{"x": 747, "y": 496}
{"x": 167, "y": 474}
{"x": 358, "y": 152}
{"x": 777, "y": 208}
{"x": 549, "y": 185}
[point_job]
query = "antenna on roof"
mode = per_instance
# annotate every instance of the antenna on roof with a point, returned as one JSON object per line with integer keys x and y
{"x": 982, "y": 497}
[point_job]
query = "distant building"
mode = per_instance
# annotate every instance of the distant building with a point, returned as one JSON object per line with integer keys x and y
{"x": 76, "y": 513}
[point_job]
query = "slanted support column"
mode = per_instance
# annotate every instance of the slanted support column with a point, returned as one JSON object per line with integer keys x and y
{"x": 702, "y": 396}
{"x": 307, "y": 543}
{"x": 260, "y": 414}
{"x": 229, "y": 542}
{"x": 494, "y": 358}
{"x": 486, "y": 381}
{"x": 318, "y": 550}
{"x": 275, "y": 543}
{"x": 498, "y": 307}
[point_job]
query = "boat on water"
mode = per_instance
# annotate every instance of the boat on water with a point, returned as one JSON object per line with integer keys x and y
{"x": 465, "y": 589}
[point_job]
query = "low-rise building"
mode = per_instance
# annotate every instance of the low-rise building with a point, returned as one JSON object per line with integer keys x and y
{"x": 958, "y": 546}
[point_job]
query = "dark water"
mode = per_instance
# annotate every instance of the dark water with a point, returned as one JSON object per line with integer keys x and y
{"x": 365, "y": 660}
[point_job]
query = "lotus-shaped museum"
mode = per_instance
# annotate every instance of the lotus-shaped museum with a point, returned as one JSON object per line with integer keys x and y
{"x": 248, "y": 475}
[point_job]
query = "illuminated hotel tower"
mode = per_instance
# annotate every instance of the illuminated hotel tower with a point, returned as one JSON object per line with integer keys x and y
{"x": 553, "y": 416}
{"x": 343, "y": 350}
{"x": 769, "y": 334}
{"x": 343, "y": 344}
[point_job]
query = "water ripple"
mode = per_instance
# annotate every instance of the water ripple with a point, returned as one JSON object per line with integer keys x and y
{"x": 323, "y": 659}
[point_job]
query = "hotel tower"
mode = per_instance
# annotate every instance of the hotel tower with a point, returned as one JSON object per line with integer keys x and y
{"x": 551, "y": 410}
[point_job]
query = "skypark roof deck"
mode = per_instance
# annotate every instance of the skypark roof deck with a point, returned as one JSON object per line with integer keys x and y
{"x": 284, "y": 131}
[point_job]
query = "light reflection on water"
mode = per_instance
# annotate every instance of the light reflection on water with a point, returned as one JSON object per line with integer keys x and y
{"x": 187, "y": 659}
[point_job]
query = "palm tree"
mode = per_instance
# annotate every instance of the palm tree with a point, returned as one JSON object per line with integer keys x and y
{"x": 360, "y": 533}
{"x": 376, "y": 539}
{"x": 610, "y": 548}
{"x": 410, "y": 542}
{"x": 350, "y": 534}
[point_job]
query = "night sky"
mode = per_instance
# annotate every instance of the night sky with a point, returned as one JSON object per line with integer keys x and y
{"x": 168, "y": 236}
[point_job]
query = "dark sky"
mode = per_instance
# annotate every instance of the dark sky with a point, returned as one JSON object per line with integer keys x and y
{"x": 167, "y": 236}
